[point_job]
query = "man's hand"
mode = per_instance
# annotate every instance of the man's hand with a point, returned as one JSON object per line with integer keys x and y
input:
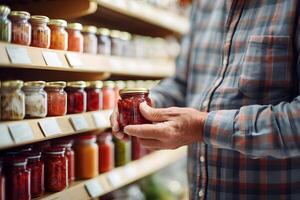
{"x": 173, "y": 127}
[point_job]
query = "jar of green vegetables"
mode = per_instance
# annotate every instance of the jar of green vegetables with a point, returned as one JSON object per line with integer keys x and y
{"x": 5, "y": 24}
{"x": 122, "y": 151}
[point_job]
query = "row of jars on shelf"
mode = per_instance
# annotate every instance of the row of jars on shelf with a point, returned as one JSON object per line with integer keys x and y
{"x": 53, "y": 166}
{"x": 40, "y": 31}
{"x": 38, "y": 99}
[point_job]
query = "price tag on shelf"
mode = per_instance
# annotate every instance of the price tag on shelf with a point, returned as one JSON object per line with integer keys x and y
{"x": 18, "y": 55}
{"x": 52, "y": 59}
{"x": 114, "y": 178}
{"x": 100, "y": 120}
{"x": 5, "y": 136}
{"x": 74, "y": 60}
{"x": 21, "y": 132}
{"x": 93, "y": 188}
{"x": 79, "y": 123}
{"x": 49, "y": 127}
{"x": 130, "y": 171}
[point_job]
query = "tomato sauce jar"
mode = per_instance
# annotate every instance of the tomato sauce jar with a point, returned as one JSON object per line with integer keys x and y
{"x": 40, "y": 35}
{"x": 106, "y": 152}
{"x": 57, "y": 98}
{"x": 94, "y": 95}
{"x": 109, "y": 96}
{"x": 21, "y": 28}
{"x": 56, "y": 169}
{"x": 75, "y": 37}
{"x": 59, "y": 35}
{"x": 76, "y": 97}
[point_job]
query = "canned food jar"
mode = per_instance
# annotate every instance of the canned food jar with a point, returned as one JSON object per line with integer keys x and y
{"x": 109, "y": 96}
{"x": 59, "y": 35}
{"x": 104, "y": 41}
{"x": 90, "y": 40}
{"x": 76, "y": 97}
{"x": 75, "y": 37}
{"x": 94, "y": 95}
{"x": 106, "y": 152}
{"x": 5, "y": 24}
{"x": 57, "y": 98}
{"x": 122, "y": 151}
{"x": 21, "y": 28}
{"x": 116, "y": 43}
{"x": 40, "y": 34}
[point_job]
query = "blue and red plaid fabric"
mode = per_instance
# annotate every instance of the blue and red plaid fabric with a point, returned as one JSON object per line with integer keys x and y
{"x": 240, "y": 62}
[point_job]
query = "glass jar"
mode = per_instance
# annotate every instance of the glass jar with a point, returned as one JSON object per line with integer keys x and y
{"x": 106, "y": 152}
{"x": 127, "y": 49}
{"x": 12, "y": 100}
{"x": 2, "y": 183}
{"x": 104, "y": 41}
{"x": 57, "y": 98}
{"x": 35, "y": 99}
{"x": 56, "y": 169}
{"x": 120, "y": 85}
{"x": 90, "y": 40}
{"x": 128, "y": 106}
{"x": 59, "y": 35}
{"x": 17, "y": 178}
{"x": 36, "y": 167}
{"x": 21, "y": 28}
{"x": 75, "y": 38}
{"x": 40, "y": 34}
{"x": 5, "y": 24}
{"x": 109, "y": 96}
{"x": 86, "y": 157}
{"x": 122, "y": 151}
{"x": 116, "y": 43}
{"x": 137, "y": 150}
{"x": 94, "y": 95}
{"x": 76, "y": 97}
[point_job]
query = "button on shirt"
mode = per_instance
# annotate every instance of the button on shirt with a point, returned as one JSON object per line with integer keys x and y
{"x": 240, "y": 63}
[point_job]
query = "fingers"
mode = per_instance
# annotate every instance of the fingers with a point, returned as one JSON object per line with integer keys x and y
{"x": 153, "y": 114}
{"x": 157, "y": 131}
{"x": 114, "y": 123}
{"x": 151, "y": 144}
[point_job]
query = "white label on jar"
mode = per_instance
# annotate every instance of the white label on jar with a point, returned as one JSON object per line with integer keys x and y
{"x": 21, "y": 132}
{"x": 5, "y": 136}
{"x": 52, "y": 59}
{"x": 50, "y": 127}
{"x": 74, "y": 60}
{"x": 79, "y": 123}
{"x": 101, "y": 120}
{"x": 18, "y": 55}
{"x": 93, "y": 188}
{"x": 114, "y": 179}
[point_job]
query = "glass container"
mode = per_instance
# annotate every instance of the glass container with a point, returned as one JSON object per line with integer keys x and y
{"x": 76, "y": 97}
{"x": 59, "y": 35}
{"x": 5, "y": 24}
{"x": 75, "y": 37}
{"x": 90, "y": 41}
{"x": 109, "y": 96}
{"x": 57, "y": 98}
{"x": 127, "y": 48}
{"x": 122, "y": 151}
{"x": 106, "y": 152}
{"x": 40, "y": 34}
{"x": 120, "y": 85}
{"x": 116, "y": 43}
{"x": 104, "y": 41}
{"x": 21, "y": 28}
{"x": 94, "y": 95}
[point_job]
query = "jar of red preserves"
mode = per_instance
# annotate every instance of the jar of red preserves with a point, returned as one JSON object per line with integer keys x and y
{"x": 90, "y": 41}
{"x": 75, "y": 38}
{"x": 57, "y": 98}
{"x": 76, "y": 97}
{"x": 56, "y": 169}
{"x": 17, "y": 178}
{"x": 2, "y": 183}
{"x": 106, "y": 152}
{"x": 94, "y": 95}
{"x": 109, "y": 96}
{"x": 59, "y": 35}
{"x": 137, "y": 150}
{"x": 21, "y": 28}
{"x": 40, "y": 35}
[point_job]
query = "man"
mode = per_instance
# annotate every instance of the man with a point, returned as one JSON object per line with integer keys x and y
{"x": 238, "y": 73}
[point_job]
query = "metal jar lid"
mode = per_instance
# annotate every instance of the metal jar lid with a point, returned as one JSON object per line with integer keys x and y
{"x": 58, "y": 22}
{"x": 75, "y": 26}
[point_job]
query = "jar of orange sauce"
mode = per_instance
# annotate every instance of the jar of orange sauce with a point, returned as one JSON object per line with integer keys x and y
{"x": 59, "y": 35}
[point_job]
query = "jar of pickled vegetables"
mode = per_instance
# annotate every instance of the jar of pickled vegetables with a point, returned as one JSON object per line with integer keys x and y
{"x": 12, "y": 100}
{"x": 122, "y": 151}
{"x": 21, "y": 28}
{"x": 106, "y": 152}
{"x": 94, "y": 95}
{"x": 17, "y": 178}
{"x": 90, "y": 41}
{"x": 116, "y": 43}
{"x": 104, "y": 41}
{"x": 59, "y": 35}
{"x": 5, "y": 24}
{"x": 109, "y": 96}
{"x": 75, "y": 38}
{"x": 57, "y": 98}
{"x": 76, "y": 97}
{"x": 35, "y": 99}
{"x": 56, "y": 169}
{"x": 40, "y": 35}
{"x": 86, "y": 157}
{"x": 2, "y": 183}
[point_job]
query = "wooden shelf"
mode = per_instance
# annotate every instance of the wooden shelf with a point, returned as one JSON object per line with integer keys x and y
{"x": 17, "y": 133}
{"x": 47, "y": 64}
{"x": 121, "y": 176}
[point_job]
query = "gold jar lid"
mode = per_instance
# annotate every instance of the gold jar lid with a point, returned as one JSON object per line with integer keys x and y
{"x": 103, "y": 31}
{"x": 125, "y": 36}
{"x": 5, "y": 10}
{"x": 39, "y": 19}
{"x": 76, "y": 84}
{"x": 12, "y": 83}
{"x": 75, "y": 26}
{"x": 115, "y": 34}
{"x": 35, "y": 84}
{"x": 58, "y": 22}
{"x": 134, "y": 90}
{"x": 56, "y": 84}
{"x": 109, "y": 84}
{"x": 120, "y": 85}
{"x": 89, "y": 29}
{"x": 20, "y": 14}
{"x": 95, "y": 84}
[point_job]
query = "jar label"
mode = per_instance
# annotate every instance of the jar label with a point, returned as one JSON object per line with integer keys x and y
{"x": 52, "y": 59}
{"x": 74, "y": 60}
{"x": 18, "y": 55}
{"x": 114, "y": 178}
{"x": 79, "y": 123}
{"x": 49, "y": 127}
{"x": 94, "y": 188}
{"x": 5, "y": 136}
{"x": 101, "y": 120}
{"x": 21, "y": 132}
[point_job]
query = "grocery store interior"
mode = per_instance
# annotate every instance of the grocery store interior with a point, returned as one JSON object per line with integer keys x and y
{"x": 63, "y": 64}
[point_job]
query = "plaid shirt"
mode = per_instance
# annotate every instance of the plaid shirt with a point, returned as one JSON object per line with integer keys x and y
{"x": 240, "y": 63}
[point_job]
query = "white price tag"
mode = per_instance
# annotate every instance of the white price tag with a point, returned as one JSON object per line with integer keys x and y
{"x": 21, "y": 132}
{"x": 100, "y": 120}
{"x": 114, "y": 179}
{"x": 130, "y": 171}
{"x": 79, "y": 123}
{"x": 5, "y": 136}
{"x": 50, "y": 127}
{"x": 18, "y": 55}
{"x": 74, "y": 60}
{"x": 93, "y": 188}
{"x": 52, "y": 59}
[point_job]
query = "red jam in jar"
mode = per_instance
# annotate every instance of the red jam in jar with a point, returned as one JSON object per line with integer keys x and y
{"x": 57, "y": 98}
{"x": 94, "y": 95}
{"x": 109, "y": 96}
{"x": 2, "y": 183}
{"x": 75, "y": 37}
{"x": 76, "y": 97}
{"x": 106, "y": 152}
{"x": 56, "y": 169}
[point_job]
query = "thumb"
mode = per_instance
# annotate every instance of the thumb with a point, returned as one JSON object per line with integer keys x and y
{"x": 153, "y": 114}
